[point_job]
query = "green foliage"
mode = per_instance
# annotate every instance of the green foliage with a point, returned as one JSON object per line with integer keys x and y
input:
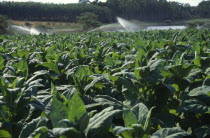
{"x": 162, "y": 10}
{"x": 88, "y": 20}
{"x": 5, "y": 134}
{"x": 170, "y": 133}
{"x": 114, "y": 84}
{"x": 195, "y": 24}
{"x": 53, "y": 12}
{"x": 3, "y": 24}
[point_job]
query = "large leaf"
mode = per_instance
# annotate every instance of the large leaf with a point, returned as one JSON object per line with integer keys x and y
{"x": 123, "y": 131}
{"x": 170, "y": 133}
{"x": 100, "y": 123}
{"x": 50, "y": 65}
{"x": 4, "y": 134}
{"x": 140, "y": 111}
{"x": 41, "y": 132}
{"x": 107, "y": 100}
{"x": 83, "y": 71}
{"x": 129, "y": 118}
{"x": 147, "y": 124}
{"x": 62, "y": 108}
{"x": 84, "y": 121}
{"x": 58, "y": 111}
{"x": 138, "y": 130}
{"x": 75, "y": 108}
{"x": 193, "y": 105}
{"x": 67, "y": 132}
{"x": 1, "y": 62}
{"x": 32, "y": 126}
{"x": 130, "y": 90}
{"x": 22, "y": 53}
{"x": 22, "y": 68}
{"x": 96, "y": 81}
{"x": 139, "y": 58}
{"x": 200, "y": 91}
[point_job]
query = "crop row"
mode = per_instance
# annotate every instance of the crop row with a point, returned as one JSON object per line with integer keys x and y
{"x": 117, "y": 84}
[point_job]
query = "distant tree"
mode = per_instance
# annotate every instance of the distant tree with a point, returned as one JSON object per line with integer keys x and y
{"x": 204, "y": 9}
{"x": 106, "y": 11}
{"x": 88, "y": 20}
{"x": 3, "y": 24}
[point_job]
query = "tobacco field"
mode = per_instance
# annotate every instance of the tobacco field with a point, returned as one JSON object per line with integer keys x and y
{"x": 115, "y": 84}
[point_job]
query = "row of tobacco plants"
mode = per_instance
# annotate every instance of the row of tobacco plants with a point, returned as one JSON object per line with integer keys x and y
{"x": 117, "y": 84}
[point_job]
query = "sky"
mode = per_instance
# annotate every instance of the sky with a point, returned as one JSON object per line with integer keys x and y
{"x": 191, "y": 2}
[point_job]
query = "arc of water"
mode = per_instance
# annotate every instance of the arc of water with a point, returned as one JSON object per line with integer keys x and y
{"x": 129, "y": 26}
{"x": 31, "y": 31}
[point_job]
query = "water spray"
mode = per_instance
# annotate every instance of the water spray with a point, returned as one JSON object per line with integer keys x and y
{"x": 127, "y": 25}
{"x": 31, "y": 31}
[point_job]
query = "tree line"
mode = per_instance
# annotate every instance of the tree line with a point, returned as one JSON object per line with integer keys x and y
{"x": 106, "y": 12}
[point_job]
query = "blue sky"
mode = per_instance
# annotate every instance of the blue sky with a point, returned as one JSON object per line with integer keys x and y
{"x": 191, "y": 2}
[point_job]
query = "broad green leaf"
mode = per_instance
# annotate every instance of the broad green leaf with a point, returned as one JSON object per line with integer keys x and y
{"x": 84, "y": 121}
{"x": 5, "y": 134}
{"x": 107, "y": 100}
{"x": 129, "y": 118}
{"x": 65, "y": 132}
{"x": 32, "y": 126}
{"x": 193, "y": 105}
{"x": 52, "y": 66}
{"x": 138, "y": 130}
{"x": 176, "y": 57}
{"x": 139, "y": 58}
{"x": 95, "y": 81}
{"x": 181, "y": 70}
{"x": 200, "y": 91}
{"x": 58, "y": 110}
{"x": 10, "y": 95}
{"x": 68, "y": 123}
{"x": 71, "y": 109}
{"x": 37, "y": 74}
{"x": 109, "y": 61}
{"x": 75, "y": 108}
{"x": 140, "y": 111}
{"x": 41, "y": 132}
{"x": 100, "y": 123}
{"x": 22, "y": 53}
{"x": 83, "y": 71}
{"x": 147, "y": 124}
{"x": 142, "y": 72}
{"x": 18, "y": 82}
{"x": 123, "y": 131}
{"x": 22, "y": 68}
{"x": 208, "y": 93}
{"x": 22, "y": 65}
{"x": 1, "y": 62}
{"x": 182, "y": 59}
{"x": 52, "y": 54}
{"x": 155, "y": 64}
{"x": 129, "y": 89}
{"x": 170, "y": 133}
